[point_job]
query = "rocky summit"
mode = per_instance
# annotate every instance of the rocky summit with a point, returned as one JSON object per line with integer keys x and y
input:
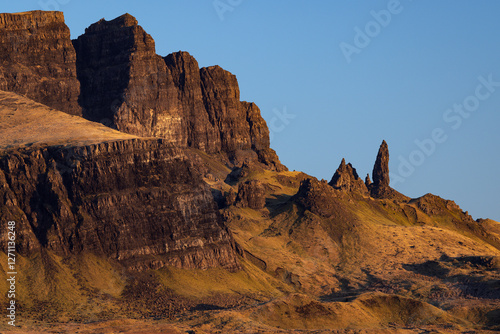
{"x": 146, "y": 199}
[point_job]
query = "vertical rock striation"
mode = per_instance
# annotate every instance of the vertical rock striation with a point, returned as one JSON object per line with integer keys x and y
{"x": 112, "y": 74}
{"x": 37, "y": 59}
{"x": 139, "y": 201}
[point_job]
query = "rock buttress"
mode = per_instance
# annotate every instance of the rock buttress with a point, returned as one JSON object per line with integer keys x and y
{"x": 128, "y": 86}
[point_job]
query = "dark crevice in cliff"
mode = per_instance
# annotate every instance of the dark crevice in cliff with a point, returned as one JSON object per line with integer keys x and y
{"x": 42, "y": 203}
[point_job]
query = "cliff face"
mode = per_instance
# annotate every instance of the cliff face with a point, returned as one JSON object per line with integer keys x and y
{"x": 112, "y": 74}
{"x": 126, "y": 84}
{"x": 37, "y": 59}
{"x": 138, "y": 201}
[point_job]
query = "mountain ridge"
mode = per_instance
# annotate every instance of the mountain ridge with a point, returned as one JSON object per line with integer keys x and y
{"x": 179, "y": 210}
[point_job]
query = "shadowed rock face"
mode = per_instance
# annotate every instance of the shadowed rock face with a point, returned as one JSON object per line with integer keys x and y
{"x": 368, "y": 181}
{"x": 37, "y": 59}
{"x": 128, "y": 86}
{"x": 124, "y": 83}
{"x": 138, "y": 201}
{"x": 112, "y": 74}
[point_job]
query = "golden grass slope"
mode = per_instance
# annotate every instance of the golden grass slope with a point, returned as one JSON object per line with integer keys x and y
{"x": 24, "y": 122}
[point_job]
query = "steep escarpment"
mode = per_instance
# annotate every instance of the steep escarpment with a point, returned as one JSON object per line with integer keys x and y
{"x": 346, "y": 178}
{"x": 140, "y": 202}
{"x": 78, "y": 187}
{"x": 37, "y": 59}
{"x": 126, "y": 85}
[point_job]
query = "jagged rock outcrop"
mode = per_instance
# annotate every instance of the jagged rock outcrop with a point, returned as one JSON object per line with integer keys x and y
{"x": 200, "y": 131}
{"x": 380, "y": 187}
{"x": 251, "y": 194}
{"x": 141, "y": 202}
{"x": 113, "y": 74}
{"x": 347, "y": 179}
{"x": 317, "y": 196}
{"x": 37, "y": 59}
{"x": 126, "y": 84}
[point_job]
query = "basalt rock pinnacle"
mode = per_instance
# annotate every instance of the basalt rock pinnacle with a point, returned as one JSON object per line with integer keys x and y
{"x": 381, "y": 168}
{"x": 380, "y": 187}
{"x": 128, "y": 86}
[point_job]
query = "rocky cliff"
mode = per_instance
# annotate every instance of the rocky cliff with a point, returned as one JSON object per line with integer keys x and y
{"x": 139, "y": 201}
{"x": 37, "y": 59}
{"x": 112, "y": 74}
{"x": 125, "y": 84}
{"x": 346, "y": 178}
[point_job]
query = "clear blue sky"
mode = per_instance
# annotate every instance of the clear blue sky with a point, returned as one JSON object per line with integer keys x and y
{"x": 287, "y": 55}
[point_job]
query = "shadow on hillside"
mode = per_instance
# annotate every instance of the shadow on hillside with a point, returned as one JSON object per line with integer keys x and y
{"x": 472, "y": 276}
{"x": 207, "y": 307}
